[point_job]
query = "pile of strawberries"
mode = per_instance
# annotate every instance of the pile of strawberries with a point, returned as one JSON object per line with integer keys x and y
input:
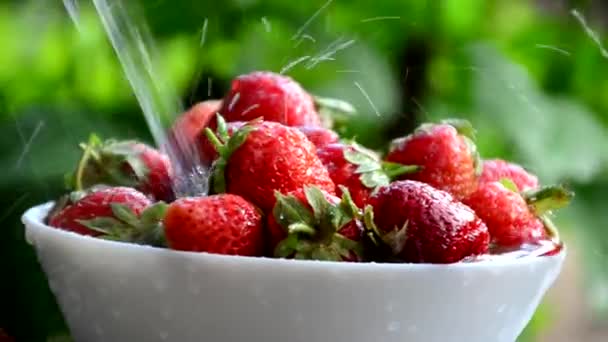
{"x": 284, "y": 185}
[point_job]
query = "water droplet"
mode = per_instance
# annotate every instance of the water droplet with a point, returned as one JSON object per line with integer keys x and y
{"x": 393, "y": 327}
{"x": 501, "y": 308}
{"x": 412, "y": 329}
{"x": 163, "y": 335}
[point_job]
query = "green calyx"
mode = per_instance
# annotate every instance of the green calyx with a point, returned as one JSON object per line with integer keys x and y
{"x": 334, "y": 112}
{"x": 225, "y": 145}
{"x": 385, "y": 246}
{"x": 125, "y": 225}
{"x": 313, "y": 233}
{"x": 373, "y": 172}
{"x": 109, "y": 162}
{"x": 543, "y": 201}
{"x": 546, "y": 199}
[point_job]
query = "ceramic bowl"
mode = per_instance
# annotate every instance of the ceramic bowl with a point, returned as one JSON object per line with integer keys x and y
{"x": 112, "y": 291}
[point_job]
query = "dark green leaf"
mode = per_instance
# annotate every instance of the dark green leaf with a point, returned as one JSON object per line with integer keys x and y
{"x": 125, "y": 214}
{"x": 316, "y": 199}
{"x": 289, "y": 210}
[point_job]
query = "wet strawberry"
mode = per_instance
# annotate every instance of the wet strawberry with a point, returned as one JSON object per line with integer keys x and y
{"x": 421, "y": 224}
{"x": 514, "y": 218}
{"x": 270, "y": 96}
{"x": 312, "y": 224}
{"x": 190, "y": 124}
{"x": 264, "y": 157}
{"x": 319, "y": 136}
{"x": 221, "y": 224}
{"x": 494, "y": 170}
{"x": 117, "y": 213}
{"x": 124, "y": 163}
{"x": 358, "y": 169}
{"x": 446, "y": 154}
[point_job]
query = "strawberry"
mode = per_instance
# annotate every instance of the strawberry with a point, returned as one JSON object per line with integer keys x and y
{"x": 117, "y": 213}
{"x": 496, "y": 169}
{"x": 421, "y": 224}
{"x": 190, "y": 124}
{"x": 312, "y": 224}
{"x": 221, "y": 224}
{"x": 358, "y": 169}
{"x": 124, "y": 163}
{"x": 206, "y": 149}
{"x": 263, "y": 157}
{"x": 515, "y": 218}
{"x": 270, "y": 96}
{"x": 319, "y": 136}
{"x": 446, "y": 154}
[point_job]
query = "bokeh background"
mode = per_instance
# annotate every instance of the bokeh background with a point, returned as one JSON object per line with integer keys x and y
{"x": 529, "y": 74}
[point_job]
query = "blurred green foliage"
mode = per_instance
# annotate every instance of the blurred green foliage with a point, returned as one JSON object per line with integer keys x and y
{"x": 524, "y": 72}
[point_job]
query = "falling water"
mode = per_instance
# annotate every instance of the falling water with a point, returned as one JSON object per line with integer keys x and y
{"x": 134, "y": 47}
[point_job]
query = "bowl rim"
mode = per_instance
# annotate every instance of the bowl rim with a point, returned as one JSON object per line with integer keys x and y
{"x": 33, "y": 219}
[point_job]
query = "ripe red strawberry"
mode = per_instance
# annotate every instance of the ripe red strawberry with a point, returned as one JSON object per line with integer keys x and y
{"x": 312, "y": 224}
{"x": 206, "y": 149}
{"x": 358, "y": 169}
{"x": 190, "y": 124}
{"x": 270, "y": 96}
{"x": 512, "y": 218}
{"x": 221, "y": 224}
{"x": 494, "y": 170}
{"x": 446, "y": 154}
{"x": 421, "y": 224}
{"x": 118, "y": 213}
{"x": 319, "y": 136}
{"x": 124, "y": 163}
{"x": 263, "y": 157}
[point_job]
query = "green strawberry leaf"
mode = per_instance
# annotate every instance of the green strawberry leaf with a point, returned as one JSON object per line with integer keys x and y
{"x": 394, "y": 170}
{"x": 509, "y": 184}
{"x": 226, "y": 149}
{"x": 374, "y": 179}
{"x": 125, "y": 214}
{"x": 222, "y": 128}
{"x": 106, "y": 225}
{"x": 289, "y": 210}
{"x": 287, "y": 247}
{"x": 347, "y": 205}
{"x": 154, "y": 213}
{"x": 464, "y": 127}
{"x": 300, "y": 228}
{"x": 316, "y": 199}
{"x": 548, "y": 198}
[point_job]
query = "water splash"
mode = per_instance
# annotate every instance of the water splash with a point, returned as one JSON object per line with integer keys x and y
{"x": 592, "y": 34}
{"x": 134, "y": 47}
{"x": 72, "y": 7}
{"x": 366, "y": 95}
{"x": 310, "y": 20}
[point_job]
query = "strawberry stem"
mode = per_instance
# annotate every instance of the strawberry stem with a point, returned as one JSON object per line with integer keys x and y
{"x": 548, "y": 198}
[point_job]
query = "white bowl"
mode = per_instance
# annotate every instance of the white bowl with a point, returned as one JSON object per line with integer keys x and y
{"x": 112, "y": 291}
